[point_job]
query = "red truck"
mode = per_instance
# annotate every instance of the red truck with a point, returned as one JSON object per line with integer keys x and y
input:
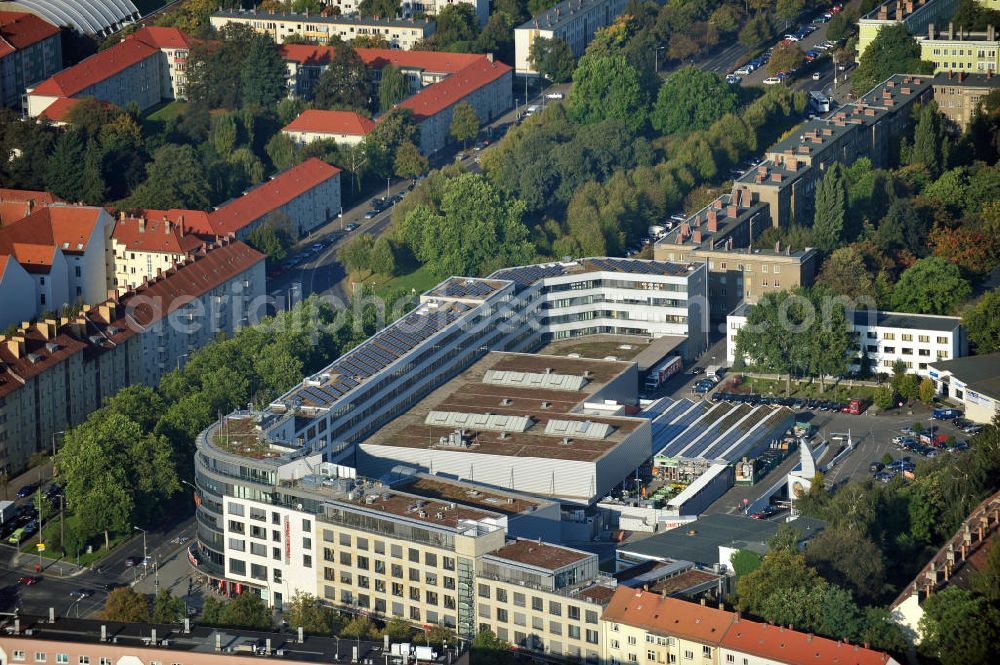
{"x": 855, "y": 407}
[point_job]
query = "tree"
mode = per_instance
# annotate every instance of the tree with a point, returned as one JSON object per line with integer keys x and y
{"x": 553, "y": 59}
{"x": 893, "y": 50}
{"x": 986, "y": 581}
{"x": 607, "y": 87}
{"x": 174, "y": 179}
{"x": 930, "y": 286}
{"x": 359, "y": 627}
{"x": 272, "y": 238}
{"x": 830, "y": 206}
{"x": 983, "y": 323}
{"x": 959, "y": 627}
{"x": 125, "y": 604}
{"x": 398, "y": 630}
{"x": 344, "y": 83}
{"x": 487, "y": 649}
{"x": 356, "y": 253}
{"x": 263, "y": 79}
{"x": 72, "y": 169}
{"x": 395, "y": 129}
{"x": 282, "y": 150}
{"x": 755, "y": 30}
{"x": 167, "y": 609}
{"x": 848, "y": 559}
{"x": 457, "y": 25}
{"x": 381, "y": 260}
{"x": 789, "y": 9}
{"x": 223, "y": 134}
{"x": 309, "y": 613}
{"x": 928, "y": 140}
{"x": 785, "y": 58}
{"x": 927, "y": 390}
{"x": 379, "y": 8}
{"x": 247, "y": 610}
{"x": 393, "y": 87}
{"x": 691, "y": 99}
{"x": 781, "y": 569}
{"x": 845, "y": 273}
{"x": 409, "y": 163}
{"x": 745, "y": 562}
{"x": 214, "y": 67}
{"x": 464, "y": 123}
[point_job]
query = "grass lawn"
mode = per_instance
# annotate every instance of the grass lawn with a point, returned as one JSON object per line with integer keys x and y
{"x": 156, "y": 120}
{"x": 50, "y": 536}
{"x": 805, "y": 389}
{"x": 419, "y": 280}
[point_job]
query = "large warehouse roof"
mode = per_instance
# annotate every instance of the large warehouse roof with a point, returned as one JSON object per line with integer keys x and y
{"x": 87, "y": 16}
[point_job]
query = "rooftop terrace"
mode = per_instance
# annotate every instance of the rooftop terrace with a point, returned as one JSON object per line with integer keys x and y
{"x": 540, "y": 554}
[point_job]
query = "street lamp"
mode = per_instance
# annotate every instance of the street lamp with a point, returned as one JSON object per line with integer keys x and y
{"x": 137, "y": 528}
{"x": 656, "y": 58}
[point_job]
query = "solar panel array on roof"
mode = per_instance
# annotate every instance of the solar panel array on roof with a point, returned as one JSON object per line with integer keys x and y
{"x": 633, "y": 266}
{"x": 534, "y": 380}
{"x": 486, "y": 421}
{"x": 584, "y": 429}
{"x": 378, "y": 352}
{"x": 467, "y": 288}
{"x": 525, "y": 276}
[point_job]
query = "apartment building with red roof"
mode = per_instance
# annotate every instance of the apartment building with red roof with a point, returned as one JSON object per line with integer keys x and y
{"x": 55, "y": 372}
{"x": 439, "y": 81}
{"x": 303, "y": 197}
{"x": 142, "y": 245}
{"x": 17, "y": 204}
{"x": 145, "y": 68}
{"x": 639, "y": 626}
{"x": 65, "y": 250}
{"x": 344, "y": 127}
{"x": 30, "y": 51}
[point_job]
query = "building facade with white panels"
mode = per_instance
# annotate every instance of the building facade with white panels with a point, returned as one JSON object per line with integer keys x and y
{"x": 918, "y": 340}
{"x": 398, "y": 33}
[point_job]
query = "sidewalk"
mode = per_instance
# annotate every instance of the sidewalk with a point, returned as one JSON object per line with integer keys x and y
{"x": 39, "y": 474}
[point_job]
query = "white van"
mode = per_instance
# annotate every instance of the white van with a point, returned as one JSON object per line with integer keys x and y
{"x": 554, "y": 95}
{"x": 531, "y": 110}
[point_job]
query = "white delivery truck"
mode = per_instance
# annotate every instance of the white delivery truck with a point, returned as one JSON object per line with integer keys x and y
{"x": 659, "y": 374}
{"x": 715, "y": 372}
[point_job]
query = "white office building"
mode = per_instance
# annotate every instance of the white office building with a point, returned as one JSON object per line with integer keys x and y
{"x": 918, "y": 340}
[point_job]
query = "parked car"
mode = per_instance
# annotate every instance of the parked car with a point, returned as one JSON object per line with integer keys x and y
{"x": 733, "y": 79}
{"x": 27, "y": 490}
{"x": 80, "y": 594}
{"x": 554, "y": 95}
{"x": 772, "y": 80}
{"x": 28, "y": 580}
{"x": 133, "y": 561}
{"x": 883, "y": 476}
{"x": 745, "y": 70}
{"x": 817, "y": 76}
{"x": 875, "y": 467}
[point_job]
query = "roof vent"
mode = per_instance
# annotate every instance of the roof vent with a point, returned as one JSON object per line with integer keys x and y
{"x": 566, "y": 441}
{"x": 546, "y": 405}
{"x": 51, "y": 347}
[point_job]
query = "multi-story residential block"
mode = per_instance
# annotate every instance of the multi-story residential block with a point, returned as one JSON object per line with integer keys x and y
{"x": 544, "y": 598}
{"x": 345, "y": 127}
{"x": 145, "y": 68}
{"x": 142, "y": 247}
{"x": 433, "y": 8}
{"x": 882, "y": 339}
{"x": 958, "y": 96}
{"x": 972, "y": 382}
{"x": 916, "y": 15}
{"x": 572, "y": 21}
{"x": 65, "y": 250}
{"x": 639, "y": 626}
{"x": 439, "y": 81}
{"x": 301, "y": 198}
{"x": 30, "y": 51}
{"x": 961, "y": 51}
{"x": 398, "y": 33}
{"x": 720, "y": 235}
{"x": 54, "y": 373}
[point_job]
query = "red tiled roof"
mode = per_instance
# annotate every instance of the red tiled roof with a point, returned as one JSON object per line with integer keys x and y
{"x": 196, "y": 221}
{"x": 432, "y": 61}
{"x": 306, "y": 54}
{"x": 3, "y": 266}
{"x": 668, "y": 616}
{"x": 96, "y": 68}
{"x": 210, "y": 267}
{"x": 330, "y": 122}
{"x": 19, "y": 370}
{"x": 159, "y": 236}
{"x": 59, "y": 109}
{"x": 271, "y": 195}
{"x": 161, "y": 38}
{"x": 60, "y": 226}
{"x": 36, "y": 258}
{"x": 435, "y": 98}
{"x": 19, "y": 30}
{"x": 784, "y": 645}
{"x": 16, "y": 204}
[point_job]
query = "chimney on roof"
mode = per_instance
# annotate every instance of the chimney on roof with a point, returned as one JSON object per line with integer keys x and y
{"x": 121, "y": 216}
{"x": 713, "y": 216}
{"x": 142, "y": 224}
{"x": 696, "y": 236}
{"x": 47, "y": 328}
{"x": 732, "y": 211}
{"x": 167, "y": 226}
{"x": 15, "y": 345}
{"x": 704, "y": 603}
{"x": 951, "y": 31}
{"x": 777, "y": 247}
{"x": 909, "y": 6}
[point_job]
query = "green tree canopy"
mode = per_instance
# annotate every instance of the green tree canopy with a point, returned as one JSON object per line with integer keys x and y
{"x": 959, "y": 627}
{"x": 983, "y": 323}
{"x": 73, "y": 172}
{"x": 395, "y": 129}
{"x": 464, "y": 122}
{"x": 457, "y": 27}
{"x": 930, "y": 286}
{"x": 379, "y": 8}
{"x": 893, "y": 50}
{"x": 264, "y": 75}
{"x": 127, "y": 605}
{"x": 167, "y": 609}
{"x": 553, "y": 59}
{"x": 393, "y": 87}
{"x": 344, "y": 82}
{"x": 409, "y": 163}
{"x": 845, "y": 273}
{"x": 691, "y": 99}
{"x": 312, "y": 615}
{"x": 607, "y": 87}
{"x": 175, "y": 179}
{"x": 830, "y": 207}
